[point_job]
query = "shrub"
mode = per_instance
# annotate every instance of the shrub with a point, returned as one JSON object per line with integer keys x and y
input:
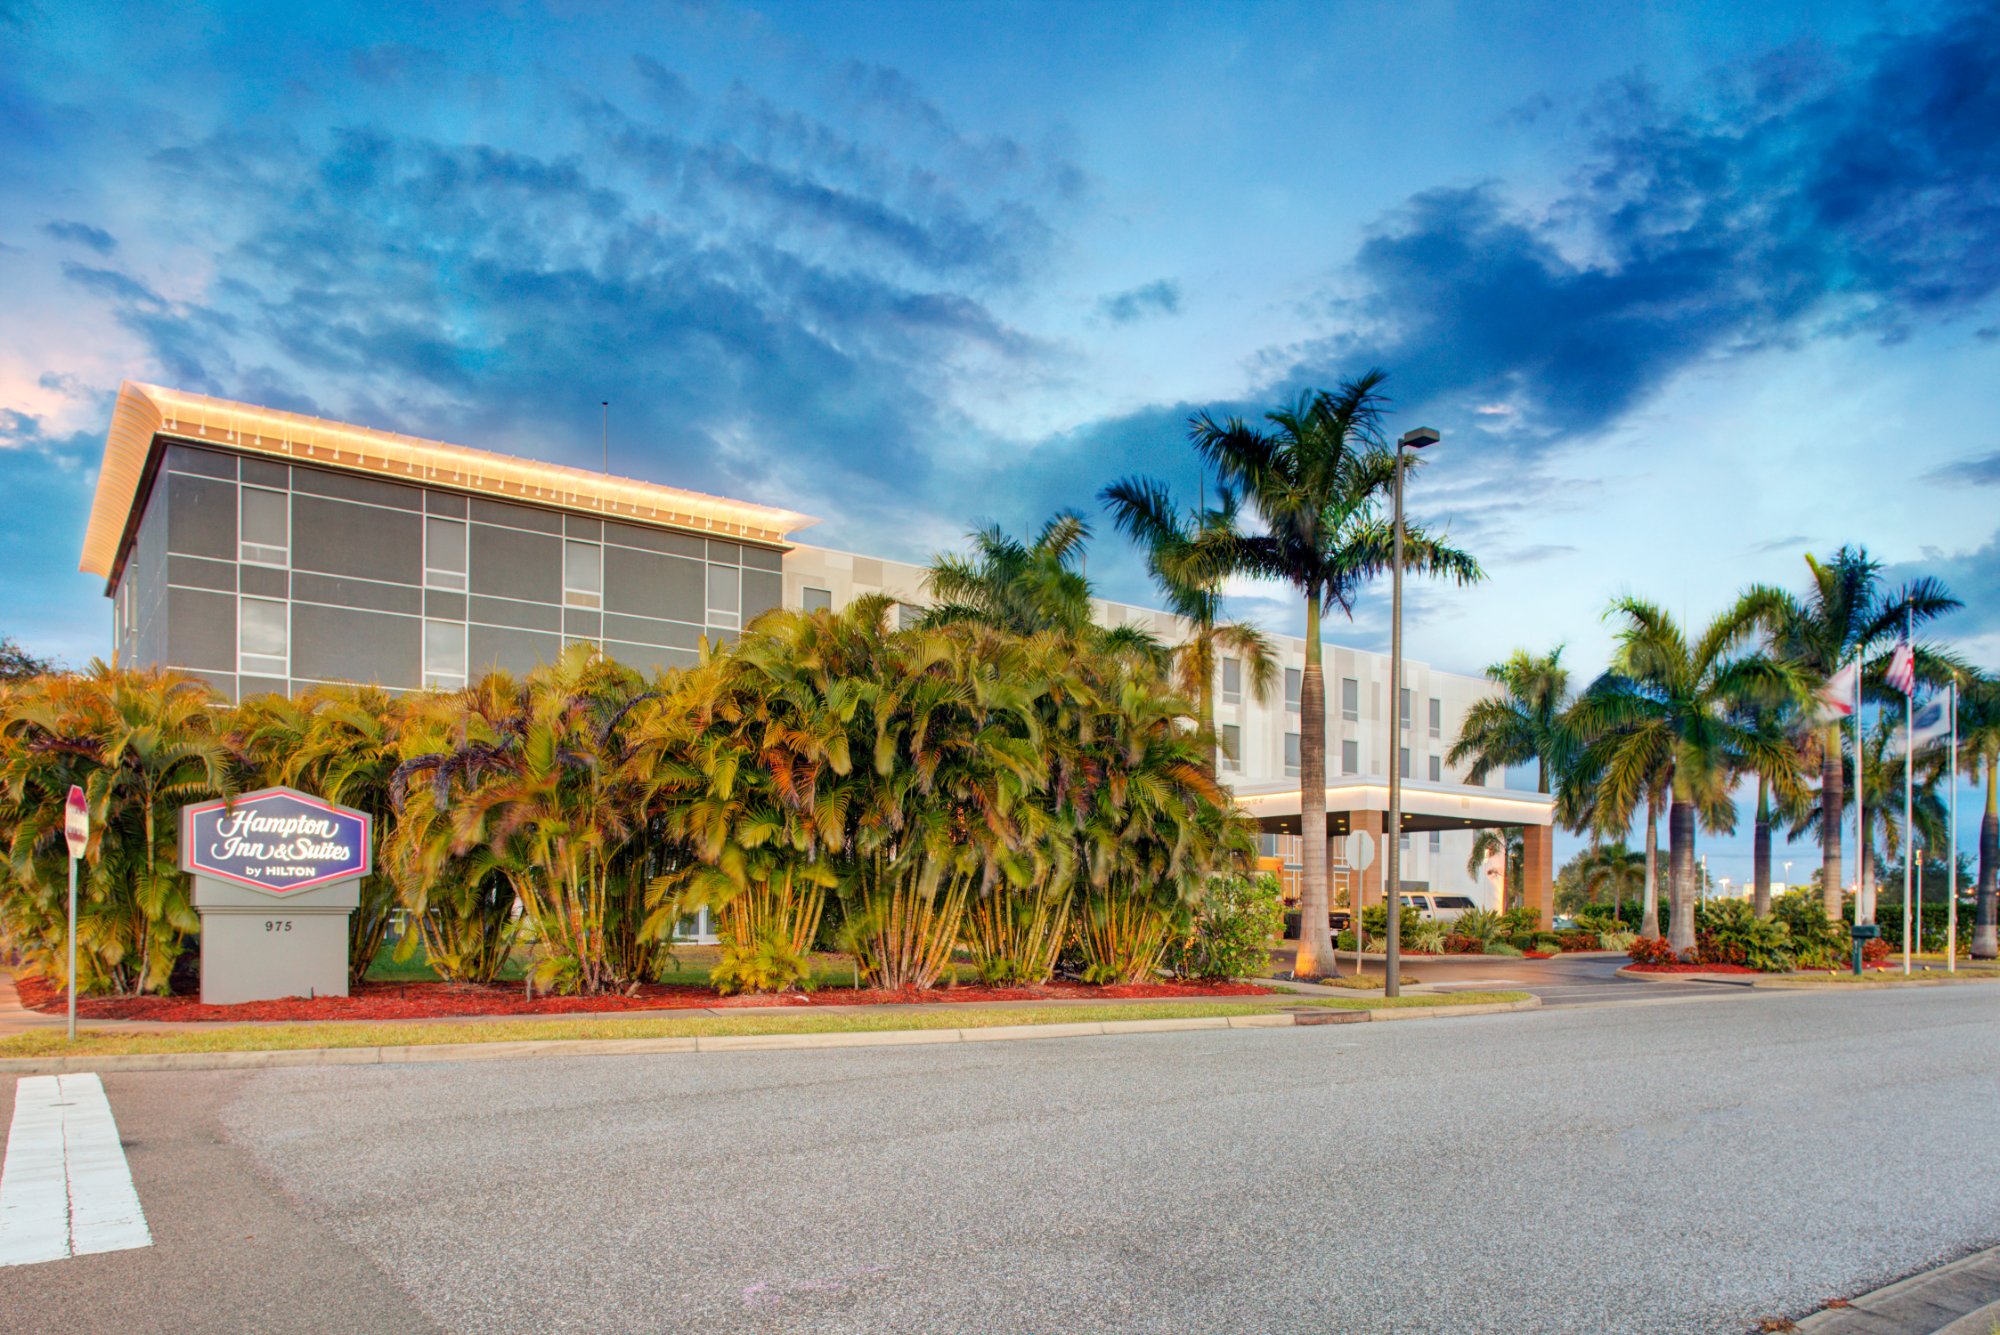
{"x": 1481, "y": 925}
{"x": 1728, "y": 931}
{"x": 1548, "y": 943}
{"x": 1459, "y": 944}
{"x": 769, "y": 963}
{"x": 1873, "y": 951}
{"x": 1121, "y": 938}
{"x": 1423, "y": 935}
{"x": 1232, "y": 930}
{"x": 1520, "y": 921}
{"x": 1616, "y": 940}
{"x": 1651, "y": 950}
{"x": 1501, "y": 948}
{"x": 1579, "y": 940}
{"x": 1596, "y": 922}
{"x": 1817, "y": 942}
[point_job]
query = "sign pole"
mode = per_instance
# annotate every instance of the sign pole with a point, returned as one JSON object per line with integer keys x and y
{"x": 1909, "y": 799}
{"x": 76, "y": 833}
{"x": 1864, "y": 882}
{"x": 1951, "y": 858}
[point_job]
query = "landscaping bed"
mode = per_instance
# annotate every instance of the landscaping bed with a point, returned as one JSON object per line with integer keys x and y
{"x": 440, "y": 1001}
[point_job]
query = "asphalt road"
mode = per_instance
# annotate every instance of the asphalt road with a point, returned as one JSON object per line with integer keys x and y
{"x": 1673, "y": 1167}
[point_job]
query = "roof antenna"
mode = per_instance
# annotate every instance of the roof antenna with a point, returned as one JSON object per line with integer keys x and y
{"x": 605, "y": 443}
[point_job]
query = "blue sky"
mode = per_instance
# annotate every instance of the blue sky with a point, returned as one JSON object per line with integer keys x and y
{"x": 1691, "y": 289}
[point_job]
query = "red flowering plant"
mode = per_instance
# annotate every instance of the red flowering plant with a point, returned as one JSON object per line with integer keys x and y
{"x": 1652, "y": 950}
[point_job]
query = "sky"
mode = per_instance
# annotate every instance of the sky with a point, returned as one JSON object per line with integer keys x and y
{"x": 1690, "y": 289}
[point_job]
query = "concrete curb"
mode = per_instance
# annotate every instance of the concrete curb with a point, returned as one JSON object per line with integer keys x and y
{"x": 610, "y": 1047}
{"x": 1783, "y": 982}
{"x": 1953, "y": 1299}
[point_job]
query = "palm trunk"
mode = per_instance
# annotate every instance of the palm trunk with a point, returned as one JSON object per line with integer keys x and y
{"x": 1760, "y": 851}
{"x": 1832, "y": 811}
{"x": 1205, "y": 710}
{"x": 1985, "y": 946}
{"x": 1680, "y": 873}
{"x": 1315, "y": 957}
{"x": 1649, "y": 914}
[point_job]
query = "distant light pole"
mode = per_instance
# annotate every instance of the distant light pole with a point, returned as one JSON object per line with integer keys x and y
{"x": 1392, "y": 983}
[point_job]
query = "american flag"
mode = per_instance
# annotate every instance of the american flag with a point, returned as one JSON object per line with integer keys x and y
{"x": 1902, "y": 673}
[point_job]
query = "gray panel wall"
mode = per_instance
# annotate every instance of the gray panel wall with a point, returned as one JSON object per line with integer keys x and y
{"x": 354, "y": 576}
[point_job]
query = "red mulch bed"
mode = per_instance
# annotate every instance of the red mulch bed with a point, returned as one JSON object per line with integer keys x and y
{"x": 1692, "y": 968}
{"x": 438, "y": 1001}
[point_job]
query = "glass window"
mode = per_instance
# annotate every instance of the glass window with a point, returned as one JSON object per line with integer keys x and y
{"x": 444, "y": 554}
{"x": 1403, "y": 764}
{"x": 583, "y": 574}
{"x": 262, "y": 637}
{"x": 1350, "y": 698}
{"x": 1232, "y": 681}
{"x": 1437, "y": 717}
{"x": 1291, "y": 753}
{"x": 1403, "y": 706}
{"x": 1350, "y": 757}
{"x": 725, "y": 585}
{"x": 444, "y": 654}
{"x": 819, "y": 600}
{"x": 266, "y": 534}
{"x": 1232, "y": 747}
{"x": 1294, "y": 685}
{"x": 1437, "y": 770}
{"x": 1405, "y": 842}
{"x": 1437, "y": 843}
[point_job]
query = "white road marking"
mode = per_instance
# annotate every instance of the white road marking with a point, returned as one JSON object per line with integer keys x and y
{"x": 65, "y": 1188}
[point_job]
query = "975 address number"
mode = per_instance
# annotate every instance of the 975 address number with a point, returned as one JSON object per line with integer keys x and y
{"x": 277, "y": 924}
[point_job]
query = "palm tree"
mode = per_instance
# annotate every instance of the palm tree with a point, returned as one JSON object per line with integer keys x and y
{"x": 1776, "y": 724}
{"x": 1510, "y": 842}
{"x": 1665, "y": 711}
{"x": 1616, "y": 866}
{"x": 1845, "y": 614}
{"x": 1979, "y": 757}
{"x": 1023, "y": 588}
{"x": 1316, "y": 475}
{"x": 1526, "y": 723}
{"x": 141, "y": 744}
{"x": 1172, "y": 540}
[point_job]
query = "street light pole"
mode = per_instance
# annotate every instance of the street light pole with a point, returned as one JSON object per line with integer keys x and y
{"x": 1392, "y": 982}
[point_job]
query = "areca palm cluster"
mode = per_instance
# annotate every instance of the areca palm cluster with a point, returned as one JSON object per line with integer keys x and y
{"x": 141, "y": 745}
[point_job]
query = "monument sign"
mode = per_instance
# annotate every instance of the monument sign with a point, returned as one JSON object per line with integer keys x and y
{"x": 276, "y": 874}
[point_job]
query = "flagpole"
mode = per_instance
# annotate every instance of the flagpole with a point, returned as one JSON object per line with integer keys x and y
{"x": 1951, "y": 859}
{"x": 1909, "y": 786}
{"x": 1863, "y": 901}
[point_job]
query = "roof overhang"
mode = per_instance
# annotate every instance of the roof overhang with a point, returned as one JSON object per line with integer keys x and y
{"x": 1425, "y": 806}
{"x": 146, "y": 412}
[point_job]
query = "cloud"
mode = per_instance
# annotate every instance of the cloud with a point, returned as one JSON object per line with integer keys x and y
{"x": 1814, "y": 199}
{"x": 1784, "y": 544}
{"x": 82, "y": 234}
{"x": 1973, "y": 577}
{"x": 1983, "y": 471}
{"x": 1162, "y": 296}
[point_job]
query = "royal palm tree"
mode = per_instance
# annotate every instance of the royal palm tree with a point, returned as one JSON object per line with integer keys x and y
{"x": 1979, "y": 758}
{"x": 1846, "y": 613}
{"x": 1526, "y": 724}
{"x": 1173, "y": 541}
{"x": 1665, "y": 712}
{"x": 1316, "y": 474}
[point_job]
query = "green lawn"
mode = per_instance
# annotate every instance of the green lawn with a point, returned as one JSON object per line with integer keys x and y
{"x": 261, "y": 1038}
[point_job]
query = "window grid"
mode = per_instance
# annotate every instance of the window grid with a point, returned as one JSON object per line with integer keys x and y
{"x": 1232, "y": 681}
{"x": 1232, "y": 747}
{"x": 1437, "y": 770}
{"x": 1437, "y": 717}
{"x": 444, "y": 554}
{"x": 264, "y": 530}
{"x": 1403, "y": 763}
{"x": 583, "y": 574}
{"x": 263, "y": 637}
{"x": 1403, "y": 706}
{"x": 444, "y": 655}
{"x": 1294, "y": 688}
{"x": 1350, "y": 699}
{"x": 1292, "y": 754}
{"x": 817, "y": 600}
{"x": 1350, "y": 757}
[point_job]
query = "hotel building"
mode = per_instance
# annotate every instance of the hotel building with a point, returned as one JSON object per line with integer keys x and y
{"x": 268, "y": 551}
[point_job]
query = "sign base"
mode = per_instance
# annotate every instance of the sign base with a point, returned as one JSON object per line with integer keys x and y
{"x": 260, "y": 947}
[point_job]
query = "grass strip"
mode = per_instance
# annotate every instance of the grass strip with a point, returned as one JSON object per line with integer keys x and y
{"x": 264, "y": 1038}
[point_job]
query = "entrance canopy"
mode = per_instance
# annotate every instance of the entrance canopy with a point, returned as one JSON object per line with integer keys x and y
{"x": 1426, "y": 806}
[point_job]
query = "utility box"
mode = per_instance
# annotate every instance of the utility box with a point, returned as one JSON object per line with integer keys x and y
{"x": 277, "y": 873}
